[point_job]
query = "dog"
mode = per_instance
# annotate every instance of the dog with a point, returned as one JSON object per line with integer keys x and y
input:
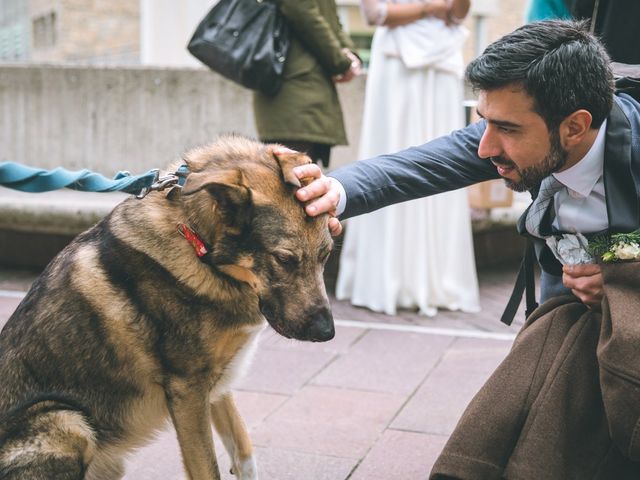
{"x": 151, "y": 314}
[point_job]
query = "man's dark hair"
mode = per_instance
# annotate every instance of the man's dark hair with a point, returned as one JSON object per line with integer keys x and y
{"x": 557, "y": 62}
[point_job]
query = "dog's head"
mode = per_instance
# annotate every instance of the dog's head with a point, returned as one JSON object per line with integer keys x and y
{"x": 240, "y": 199}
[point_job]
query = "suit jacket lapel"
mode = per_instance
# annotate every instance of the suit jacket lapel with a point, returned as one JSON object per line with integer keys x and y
{"x": 619, "y": 184}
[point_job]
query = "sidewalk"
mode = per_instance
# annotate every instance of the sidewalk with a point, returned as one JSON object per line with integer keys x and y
{"x": 378, "y": 402}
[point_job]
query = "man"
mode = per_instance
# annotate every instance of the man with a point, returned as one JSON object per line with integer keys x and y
{"x": 546, "y": 98}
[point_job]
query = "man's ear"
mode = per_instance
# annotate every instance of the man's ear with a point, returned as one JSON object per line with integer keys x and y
{"x": 288, "y": 159}
{"x": 574, "y": 128}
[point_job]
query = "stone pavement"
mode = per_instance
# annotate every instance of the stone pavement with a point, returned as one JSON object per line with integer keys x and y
{"x": 378, "y": 402}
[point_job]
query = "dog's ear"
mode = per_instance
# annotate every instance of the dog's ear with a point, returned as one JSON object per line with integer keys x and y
{"x": 287, "y": 159}
{"x": 229, "y": 190}
{"x": 213, "y": 180}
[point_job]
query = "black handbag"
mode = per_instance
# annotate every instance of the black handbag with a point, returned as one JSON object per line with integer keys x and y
{"x": 246, "y": 41}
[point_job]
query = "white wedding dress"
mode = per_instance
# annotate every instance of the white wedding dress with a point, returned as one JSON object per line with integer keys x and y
{"x": 416, "y": 254}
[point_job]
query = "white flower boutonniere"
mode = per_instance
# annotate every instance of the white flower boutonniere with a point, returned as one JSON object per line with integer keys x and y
{"x": 617, "y": 247}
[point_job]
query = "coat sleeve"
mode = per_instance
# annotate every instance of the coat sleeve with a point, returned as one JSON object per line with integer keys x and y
{"x": 619, "y": 356}
{"x": 441, "y": 165}
{"x": 313, "y": 30}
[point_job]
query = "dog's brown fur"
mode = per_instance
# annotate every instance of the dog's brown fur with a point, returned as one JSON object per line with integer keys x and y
{"x": 127, "y": 327}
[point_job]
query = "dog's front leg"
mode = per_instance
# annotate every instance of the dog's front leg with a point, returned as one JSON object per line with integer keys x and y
{"x": 233, "y": 433}
{"x": 188, "y": 405}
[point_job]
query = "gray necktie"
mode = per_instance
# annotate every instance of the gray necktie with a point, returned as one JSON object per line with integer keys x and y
{"x": 548, "y": 188}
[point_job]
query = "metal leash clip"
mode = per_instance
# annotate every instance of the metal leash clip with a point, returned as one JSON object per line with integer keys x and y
{"x": 170, "y": 180}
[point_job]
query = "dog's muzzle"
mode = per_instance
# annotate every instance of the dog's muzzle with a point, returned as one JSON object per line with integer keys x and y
{"x": 310, "y": 327}
{"x": 320, "y": 327}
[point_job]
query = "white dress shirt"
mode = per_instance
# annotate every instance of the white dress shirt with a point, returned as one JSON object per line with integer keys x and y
{"x": 580, "y": 207}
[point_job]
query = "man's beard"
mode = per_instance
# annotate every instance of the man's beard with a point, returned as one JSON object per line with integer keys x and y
{"x": 531, "y": 177}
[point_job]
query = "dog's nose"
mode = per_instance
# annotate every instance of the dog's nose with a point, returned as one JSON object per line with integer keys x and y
{"x": 320, "y": 327}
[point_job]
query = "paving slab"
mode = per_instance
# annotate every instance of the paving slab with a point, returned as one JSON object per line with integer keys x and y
{"x": 344, "y": 339}
{"x": 255, "y": 407}
{"x": 400, "y": 455}
{"x": 329, "y": 421}
{"x": 279, "y": 464}
{"x": 442, "y": 398}
{"x": 385, "y": 361}
{"x": 283, "y": 371}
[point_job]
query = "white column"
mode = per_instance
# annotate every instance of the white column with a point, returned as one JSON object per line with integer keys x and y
{"x": 165, "y": 29}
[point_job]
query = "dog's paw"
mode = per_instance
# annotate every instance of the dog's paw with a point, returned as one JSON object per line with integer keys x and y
{"x": 246, "y": 469}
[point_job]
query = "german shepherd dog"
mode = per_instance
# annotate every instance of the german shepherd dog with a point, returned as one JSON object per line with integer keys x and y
{"x": 151, "y": 314}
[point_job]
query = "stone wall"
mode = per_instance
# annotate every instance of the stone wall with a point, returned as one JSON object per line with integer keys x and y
{"x": 128, "y": 118}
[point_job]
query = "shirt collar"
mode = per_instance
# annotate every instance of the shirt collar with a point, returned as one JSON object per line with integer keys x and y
{"x": 583, "y": 176}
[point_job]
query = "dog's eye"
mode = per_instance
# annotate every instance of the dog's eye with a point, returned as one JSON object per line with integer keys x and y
{"x": 287, "y": 260}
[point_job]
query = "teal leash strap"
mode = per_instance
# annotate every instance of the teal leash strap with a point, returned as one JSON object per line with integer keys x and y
{"x": 29, "y": 179}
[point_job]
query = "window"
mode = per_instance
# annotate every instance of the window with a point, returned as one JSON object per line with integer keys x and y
{"x": 44, "y": 30}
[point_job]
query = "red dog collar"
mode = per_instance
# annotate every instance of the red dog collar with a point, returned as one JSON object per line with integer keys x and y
{"x": 193, "y": 238}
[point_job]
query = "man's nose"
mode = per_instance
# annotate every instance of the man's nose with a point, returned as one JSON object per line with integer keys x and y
{"x": 489, "y": 145}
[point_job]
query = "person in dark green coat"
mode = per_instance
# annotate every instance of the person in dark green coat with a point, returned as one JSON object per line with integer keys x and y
{"x": 306, "y": 115}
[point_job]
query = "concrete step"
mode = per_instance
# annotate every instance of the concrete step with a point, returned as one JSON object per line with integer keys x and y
{"x": 35, "y": 227}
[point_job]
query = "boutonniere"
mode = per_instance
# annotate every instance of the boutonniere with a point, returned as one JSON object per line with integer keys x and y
{"x": 617, "y": 247}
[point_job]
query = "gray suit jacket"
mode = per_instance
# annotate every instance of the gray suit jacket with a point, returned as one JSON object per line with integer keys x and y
{"x": 452, "y": 162}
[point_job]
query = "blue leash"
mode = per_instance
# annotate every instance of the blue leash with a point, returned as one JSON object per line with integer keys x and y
{"x": 30, "y": 179}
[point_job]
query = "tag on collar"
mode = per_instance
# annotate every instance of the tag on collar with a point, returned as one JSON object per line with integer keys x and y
{"x": 193, "y": 238}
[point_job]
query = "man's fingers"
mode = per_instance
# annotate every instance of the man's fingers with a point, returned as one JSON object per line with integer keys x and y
{"x": 309, "y": 170}
{"x": 585, "y": 283}
{"x": 583, "y": 270}
{"x": 590, "y": 284}
{"x": 317, "y": 188}
{"x": 318, "y": 194}
{"x": 335, "y": 227}
{"x": 325, "y": 204}
{"x": 591, "y": 301}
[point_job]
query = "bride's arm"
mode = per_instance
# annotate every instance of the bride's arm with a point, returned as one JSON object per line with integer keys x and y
{"x": 381, "y": 12}
{"x": 459, "y": 10}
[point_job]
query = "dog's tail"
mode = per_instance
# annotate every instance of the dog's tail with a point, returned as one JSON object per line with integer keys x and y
{"x": 45, "y": 439}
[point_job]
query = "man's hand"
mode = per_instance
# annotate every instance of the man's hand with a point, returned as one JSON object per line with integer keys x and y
{"x": 321, "y": 195}
{"x": 585, "y": 282}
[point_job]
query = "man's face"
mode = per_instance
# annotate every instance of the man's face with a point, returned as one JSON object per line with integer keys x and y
{"x": 517, "y": 140}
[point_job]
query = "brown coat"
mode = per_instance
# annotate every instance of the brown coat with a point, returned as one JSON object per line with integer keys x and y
{"x": 307, "y": 107}
{"x": 565, "y": 402}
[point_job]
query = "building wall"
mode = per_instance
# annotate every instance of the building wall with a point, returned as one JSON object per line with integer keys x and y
{"x": 85, "y": 31}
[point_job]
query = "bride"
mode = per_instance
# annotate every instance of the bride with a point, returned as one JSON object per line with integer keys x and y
{"x": 416, "y": 254}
